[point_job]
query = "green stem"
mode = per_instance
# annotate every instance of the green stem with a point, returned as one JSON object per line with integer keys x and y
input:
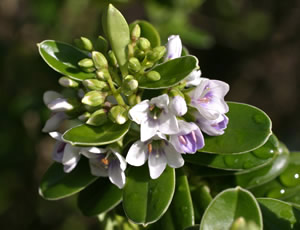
{"x": 115, "y": 92}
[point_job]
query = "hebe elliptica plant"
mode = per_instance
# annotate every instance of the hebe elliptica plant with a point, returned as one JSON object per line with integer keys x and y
{"x": 146, "y": 142}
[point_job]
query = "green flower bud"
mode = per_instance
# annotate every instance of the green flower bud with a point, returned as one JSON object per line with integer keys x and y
{"x": 118, "y": 114}
{"x": 130, "y": 50}
{"x": 130, "y": 85}
{"x": 99, "y": 59}
{"x": 101, "y": 44}
{"x": 86, "y": 63}
{"x": 153, "y": 75}
{"x": 112, "y": 58}
{"x": 89, "y": 70}
{"x": 176, "y": 92}
{"x": 143, "y": 44}
{"x": 136, "y": 32}
{"x": 86, "y": 44}
{"x": 67, "y": 82}
{"x": 94, "y": 98}
{"x": 99, "y": 117}
{"x": 157, "y": 53}
{"x": 139, "y": 54}
{"x": 103, "y": 74}
{"x": 94, "y": 84}
{"x": 134, "y": 65}
{"x": 84, "y": 117}
{"x": 238, "y": 224}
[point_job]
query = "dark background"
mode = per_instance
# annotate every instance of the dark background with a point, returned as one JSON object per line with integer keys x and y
{"x": 252, "y": 45}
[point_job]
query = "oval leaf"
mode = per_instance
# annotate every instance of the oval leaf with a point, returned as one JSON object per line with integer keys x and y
{"x": 229, "y": 205}
{"x": 63, "y": 58}
{"x": 248, "y": 129}
{"x": 146, "y": 200}
{"x": 147, "y": 31}
{"x": 171, "y": 72}
{"x": 99, "y": 197}
{"x": 96, "y": 135}
{"x": 56, "y": 184}
{"x": 279, "y": 215}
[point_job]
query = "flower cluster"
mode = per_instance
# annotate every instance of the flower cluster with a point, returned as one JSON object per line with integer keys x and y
{"x": 170, "y": 124}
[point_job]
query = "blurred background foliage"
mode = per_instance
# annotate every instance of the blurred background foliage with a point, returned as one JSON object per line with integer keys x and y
{"x": 254, "y": 45}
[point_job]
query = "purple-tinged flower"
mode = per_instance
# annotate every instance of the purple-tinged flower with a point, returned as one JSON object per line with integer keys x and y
{"x": 193, "y": 79}
{"x": 178, "y": 105}
{"x": 208, "y": 98}
{"x": 158, "y": 152}
{"x": 174, "y": 47}
{"x": 189, "y": 139}
{"x": 213, "y": 127}
{"x": 156, "y": 115}
{"x": 107, "y": 162}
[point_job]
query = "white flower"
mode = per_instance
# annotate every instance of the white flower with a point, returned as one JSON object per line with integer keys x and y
{"x": 189, "y": 139}
{"x": 213, "y": 127}
{"x": 208, "y": 98}
{"x": 158, "y": 152}
{"x": 174, "y": 47}
{"x": 193, "y": 79}
{"x": 178, "y": 106}
{"x": 156, "y": 115}
{"x": 107, "y": 162}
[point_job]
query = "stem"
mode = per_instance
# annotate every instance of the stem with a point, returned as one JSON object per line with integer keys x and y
{"x": 115, "y": 92}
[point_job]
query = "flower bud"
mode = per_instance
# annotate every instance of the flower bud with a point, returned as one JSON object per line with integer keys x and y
{"x": 143, "y": 44}
{"x": 94, "y": 84}
{"x": 86, "y": 63}
{"x": 153, "y": 75}
{"x": 99, "y": 59}
{"x": 238, "y": 224}
{"x": 86, "y": 44}
{"x": 103, "y": 74}
{"x": 101, "y": 44}
{"x": 134, "y": 65}
{"x": 118, "y": 114}
{"x": 136, "y": 32}
{"x": 112, "y": 58}
{"x": 130, "y": 85}
{"x": 130, "y": 50}
{"x": 67, "y": 82}
{"x": 94, "y": 98}
{"x": 99, "y": 117}
{"x": 139, "y": 54}
{"x": 157, "y": 53}
{"x": 84, "y": 117}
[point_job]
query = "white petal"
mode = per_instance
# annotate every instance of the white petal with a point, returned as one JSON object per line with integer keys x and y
{"x": 174, "y": 47}
{"x": 174, "y": 159}
{"x": 54, "y": 122}
{"x": 56, "y": 136}
{"x": 71, "y": 155}
{"x": 160, "y": 101}
{"x": 186, "y": 127}
{"x": 193, "y": 79}
{"x": 50, "y": 96}
{"x": 157, "y": 163}
{"x": 137, "y": 154}
{"x": 168, "y": 124}
{"x": 97, "y": 168}
{"x": 60, "y": 105}
{"x": 58, "y": 151}
{"x": 219, "y": 88}
{"x": 178, "y": 106}
{"x": 149, "y": 129}
{"x": 139, "y": 112}
{"x": 116, "y": 175}
{"x": 122, "y": 161}
{"x": 92, "y": 152}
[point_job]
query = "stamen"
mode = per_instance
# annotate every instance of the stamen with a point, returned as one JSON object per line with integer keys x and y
{"x": 151, "y": 107}
{"x": 105, "y": 161}
{"x": 194, "y": 136}
{"x": 204, "y": 100}
{"x": 149, "y": 148}
{"x": 182, "y": 140}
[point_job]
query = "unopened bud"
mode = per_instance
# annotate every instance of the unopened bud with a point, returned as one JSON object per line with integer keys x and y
{"x": 99, "y": 117}
{"x": 103, "y": 74}
{"x": 157, "y": 53}
{"x": 139, "y": 54}
{"x": 143, "y": 44}
{"x": 176, "y": 92}
{"x": 94, "y": 84}
{"x": 86, "y": 63}
{"x": 118, "y": 114}
{"x": 130, "y": 50}
{"x": 112, "y": 58}
{"x": 101, "y": 44}
{"x": 86, "y": 44}
{"x": 67, "y": 82}
{"x": 130, "y": 85}
{"x": 94, "y": 98}
{"x": 136, "y": 32}
{"x": 134, "y": 65}
{"x": 84, "y": 117}
{"x": 89, "y": 70}
{"x": 238, "y": 224}
{"x": 99, "y": 59}
{"x": 153, "y": 75}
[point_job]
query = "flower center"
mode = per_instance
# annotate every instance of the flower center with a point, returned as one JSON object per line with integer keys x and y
{"x": 155, "y": 112}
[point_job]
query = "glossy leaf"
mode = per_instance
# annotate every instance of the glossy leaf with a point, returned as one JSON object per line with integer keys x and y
{"x": 56, "y": 184}
{"x": 278, "y": 214}
{"x": 147, "y": 31}
{"x": 194, "y": 227}
{"x": 146, "y": 200}
{"x": 99, "y": 197}
{"x": 117, "y": 31}
{"x": 171, "y": 72}
{"x": 96, "y": 135}
{"x": 248, "y": 129}
{"x": 201, "y": 199}
{"x": 229, "y": 205}
{"x": 266, "y": 173}
{"x": 63, "y": 58}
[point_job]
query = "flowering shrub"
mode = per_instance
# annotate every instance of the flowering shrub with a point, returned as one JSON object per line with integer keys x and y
{"x": 128, "y": 100}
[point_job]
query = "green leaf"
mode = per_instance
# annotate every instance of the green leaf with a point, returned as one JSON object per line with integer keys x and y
{"x": 63, "y": 58}
{"x": 99, "y": 197}
{"x": 146, "y": 200}
{"x": 171, "y": 72}
{"x": 88, "y": 135}
{"x": 56, "y": 184}
{"x": 194, "y": 227}
{"x": 201, "y": 199}
{"x": 278, "y": 214}
{"x": 248, "y": 129}
{"x": 147, "y": 31}
{"x": 265, "y": 173}
{"x": 117, "y": 32}
{"x": 250, "y": 160}
{"x": 229, "y": 205}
